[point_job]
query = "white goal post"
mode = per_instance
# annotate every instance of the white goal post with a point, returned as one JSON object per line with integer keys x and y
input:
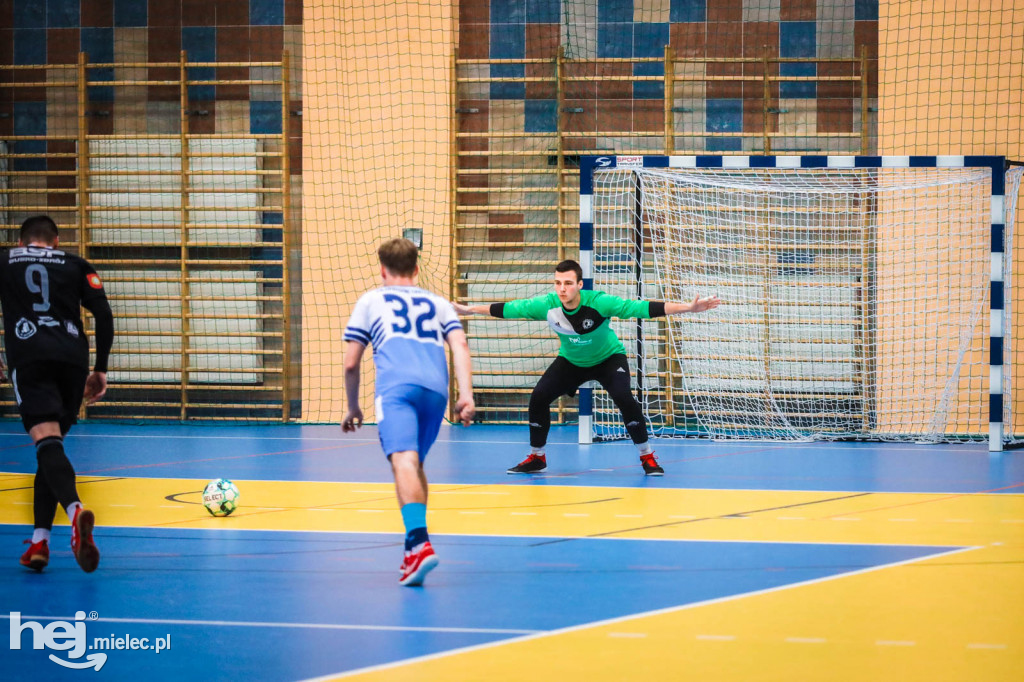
{"x": 863, "y": 296}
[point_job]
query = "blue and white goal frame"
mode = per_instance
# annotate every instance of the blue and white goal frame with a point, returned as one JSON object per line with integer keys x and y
{"x": 997, "y": 164}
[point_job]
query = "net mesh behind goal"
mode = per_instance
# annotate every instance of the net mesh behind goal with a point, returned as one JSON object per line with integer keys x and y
{"x": 855, "y": 301}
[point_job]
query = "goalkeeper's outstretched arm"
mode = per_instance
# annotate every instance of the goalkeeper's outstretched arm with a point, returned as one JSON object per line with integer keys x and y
{"x": 698, "y": 305}
{"x": 535, "y": 308}
{"x": 471, "y": 309}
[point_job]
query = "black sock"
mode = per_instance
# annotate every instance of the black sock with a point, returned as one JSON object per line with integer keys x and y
{"x": 416, "y": 536}
{"x": 44, "y": 503}
{"x": 60, "y": 475}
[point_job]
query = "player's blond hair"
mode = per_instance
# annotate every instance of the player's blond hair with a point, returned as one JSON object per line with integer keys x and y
{"x": 398, "y": 256}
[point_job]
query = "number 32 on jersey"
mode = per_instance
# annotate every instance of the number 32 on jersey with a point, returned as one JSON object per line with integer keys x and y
{"x": 414, "y": 315}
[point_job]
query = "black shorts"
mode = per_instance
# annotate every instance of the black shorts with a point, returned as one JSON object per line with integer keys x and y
{"x": 564, "y": 378}
{"x": 49, "y": 392}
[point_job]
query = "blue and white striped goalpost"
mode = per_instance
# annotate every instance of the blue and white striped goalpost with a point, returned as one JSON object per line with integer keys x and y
{"x": 997, "y": 164}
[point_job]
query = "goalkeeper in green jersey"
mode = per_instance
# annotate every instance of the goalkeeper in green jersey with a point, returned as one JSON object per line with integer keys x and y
{"x": 590, "y": 351}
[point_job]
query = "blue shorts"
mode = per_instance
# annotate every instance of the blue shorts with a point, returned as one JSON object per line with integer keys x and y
{"x": 408, "y": 418}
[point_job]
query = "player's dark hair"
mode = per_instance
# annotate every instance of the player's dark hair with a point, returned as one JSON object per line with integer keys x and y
{"x": 398, "y": 256}
{"x": 567, "y": 265}
{"x": 39, "y": 228}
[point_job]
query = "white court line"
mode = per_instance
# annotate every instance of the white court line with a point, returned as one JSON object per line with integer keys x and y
{"x": 522, "y": 536}
{"x": 554, "y": 478}
{"x": 622, "y": 619}
{"x": 310, "y": 626}
{"x": 662, "y": 443}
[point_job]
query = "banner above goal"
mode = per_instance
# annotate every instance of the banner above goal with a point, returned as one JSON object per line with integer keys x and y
{"x": 863, "y": 296}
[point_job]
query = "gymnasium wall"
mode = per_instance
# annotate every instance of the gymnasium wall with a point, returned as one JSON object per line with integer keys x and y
{"x": 124, "y": 115}
{"x": 139, "y": 31}
{"x": 381, "y": 90}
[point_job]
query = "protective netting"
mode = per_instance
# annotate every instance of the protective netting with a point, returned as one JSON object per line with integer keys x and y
{"x": 855, "y": 300}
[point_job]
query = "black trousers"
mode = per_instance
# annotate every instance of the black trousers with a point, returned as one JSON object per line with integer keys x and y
{"x": 563, "y": 378}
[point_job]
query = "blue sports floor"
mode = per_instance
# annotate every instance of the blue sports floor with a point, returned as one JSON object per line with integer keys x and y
{"x": 739, "y": 545}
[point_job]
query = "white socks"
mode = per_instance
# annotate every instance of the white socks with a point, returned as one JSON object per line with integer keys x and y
{"x": 40, "y": 534}
{"x": 72, "y": 508}
{"x": 644, "y": 448}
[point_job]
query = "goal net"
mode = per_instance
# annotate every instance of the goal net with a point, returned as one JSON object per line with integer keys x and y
{"x": 856, "y": 300}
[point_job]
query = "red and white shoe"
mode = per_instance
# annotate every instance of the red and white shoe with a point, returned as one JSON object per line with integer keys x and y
{"x": 82, "y": 546}
{"x": 37, "y": 556}
{"x": 418, "y": 563}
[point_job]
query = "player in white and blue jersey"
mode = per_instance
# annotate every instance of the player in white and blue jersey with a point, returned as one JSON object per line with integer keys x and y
{"x": 408, "y": 328}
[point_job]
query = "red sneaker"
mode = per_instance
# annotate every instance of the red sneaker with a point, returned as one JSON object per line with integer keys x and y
{"x": 531, "y": 465}
{"x": 651, "y": 466}
{"x": 417, "y": 564}
{"x": 37, "y": 556}
{"x": 86, "y": 553}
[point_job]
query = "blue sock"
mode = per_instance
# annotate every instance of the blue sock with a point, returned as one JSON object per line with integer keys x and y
{"x": 414, "y": 515}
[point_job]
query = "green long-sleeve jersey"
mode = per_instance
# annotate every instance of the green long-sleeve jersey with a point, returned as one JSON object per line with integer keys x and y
{"x": 586, "y": 332}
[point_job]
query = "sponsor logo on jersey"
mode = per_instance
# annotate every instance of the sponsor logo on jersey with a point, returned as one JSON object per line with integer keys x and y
{"x": 21, "y": 253}
{"x": 588, "y": 323}
{"x": 72, "y": 329}
{"x": 94, "y": 280}
{"x": 47, "y": 321}
{"x": 24, "y": 329}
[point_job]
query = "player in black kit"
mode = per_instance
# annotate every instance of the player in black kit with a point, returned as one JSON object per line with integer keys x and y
{"x": 42, "y": 291}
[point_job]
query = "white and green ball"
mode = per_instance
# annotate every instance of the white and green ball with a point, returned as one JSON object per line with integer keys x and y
{"x": 220, "y": 497}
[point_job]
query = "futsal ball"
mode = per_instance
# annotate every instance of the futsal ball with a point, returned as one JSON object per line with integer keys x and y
{"x": 220, "y": 497}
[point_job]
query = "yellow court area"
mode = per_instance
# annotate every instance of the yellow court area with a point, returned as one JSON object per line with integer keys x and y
{"x": 955, "y": 616}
